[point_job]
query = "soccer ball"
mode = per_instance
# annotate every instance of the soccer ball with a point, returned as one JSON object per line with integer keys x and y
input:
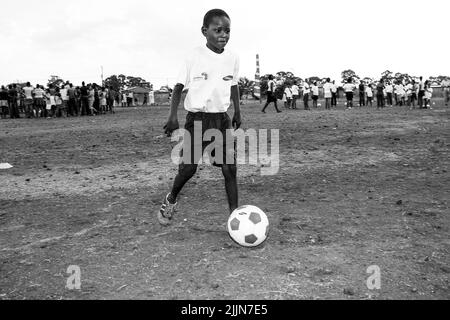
{"x": 248, "y": 226}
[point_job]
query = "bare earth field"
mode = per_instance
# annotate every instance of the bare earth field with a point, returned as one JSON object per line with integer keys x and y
{"x": 355, "y": 188}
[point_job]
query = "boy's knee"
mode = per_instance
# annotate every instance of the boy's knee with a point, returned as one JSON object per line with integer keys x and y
{"x": 187, "y": 170}
{"x": 229, "y": 170}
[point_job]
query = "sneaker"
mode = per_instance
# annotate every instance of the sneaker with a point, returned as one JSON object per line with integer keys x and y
{"x": 165, "y": 213}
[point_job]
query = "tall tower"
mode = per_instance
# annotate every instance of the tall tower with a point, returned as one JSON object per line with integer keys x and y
{"x": 257, "y": 88}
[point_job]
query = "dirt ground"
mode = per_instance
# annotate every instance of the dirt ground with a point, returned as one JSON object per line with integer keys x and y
{"x": 355, "y": 188}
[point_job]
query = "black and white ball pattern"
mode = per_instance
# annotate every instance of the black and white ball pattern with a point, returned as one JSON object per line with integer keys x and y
{"x": 248, "y": 226}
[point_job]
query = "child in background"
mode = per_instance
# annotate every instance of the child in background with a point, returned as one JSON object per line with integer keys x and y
{"x": 49, "y": 103}
{"x": 288, "y": 96}
{"x": 103, "y": 100}
{"x": 58, "y": 111}
{"x": 315, "y": 94}
{"x": 369, "y": 94}
{"x": 295, "y": 93}
{"x": 349, "y": 87}
{"x": 428, "y": 94}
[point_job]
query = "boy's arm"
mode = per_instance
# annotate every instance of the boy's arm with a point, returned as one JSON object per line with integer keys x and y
{"x": 236, "y": 122}
{"x": 172, "y": 122}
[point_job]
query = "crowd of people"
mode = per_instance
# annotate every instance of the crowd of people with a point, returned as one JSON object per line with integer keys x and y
{"x": 63, "y": 100}
{"x": 386, "y": 92}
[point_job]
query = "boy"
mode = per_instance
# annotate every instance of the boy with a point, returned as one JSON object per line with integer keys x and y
{"x": 288, "y": 94}
{"x": 327, "y": 93}
{"x": 348, "y": 88}
{"x": 362, "y": 91}
{"x": 369, "y": 94}
{"x": 210, "y": 74}
{"x": 295, "y": 92}
{"x": 271, "y": 97}
{"x": 315, "y": 94}
{"x": 4, "y": 102}
{"x": 306, "y": 90}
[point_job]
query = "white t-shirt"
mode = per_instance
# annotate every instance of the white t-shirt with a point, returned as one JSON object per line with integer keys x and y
{"x": 64, "y": 95}
{"x": 369, "y": 92}
{"x": 306, "y": 88}
{"x": 428, "y": 93}
{"x": 288, "y": 92}
{"x": 327, "y": 90}
{"x": 399, "y": 89}
{"x": 28, "y": 91}
{"x": 389, "y": 88}
{"x": 38, "y": 93}
{"x": 445, "y": 83}
{"x": 421, "y": 85}
{"x": 315, "y": 90}
{"x": 349, "y": 87}
{"x": 209, "y": 77}
{"x": 409, "y": 88}
{"x": 333, "y": 88}
{"x": 295, "y": 90}
{"x": 271, "y": 86}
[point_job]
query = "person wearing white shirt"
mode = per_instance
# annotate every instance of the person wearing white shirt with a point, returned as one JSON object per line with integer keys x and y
{"x": 408, "y": 92}
{"x": 400, "y": 94}
{"x": 315, "y": 94}
{"x": 389, "y": 89}
{"x": 211, "y": 75}
{"x": 369, "y": 94}
{"x": 421, "y": 92}
{"x": 295, "y": 93}
{"x": 288, "y": 95}
{"x": 28, "y": 92}
{"x": 271, "y": 97}
{"x": 349, "y": 87}
{"x": 428, "y": 94}
{"x": 306, "y": 90}
{"x": 414, "y": 91}
{"x": 334, "y": 90}
{"x": 327, "y": 93}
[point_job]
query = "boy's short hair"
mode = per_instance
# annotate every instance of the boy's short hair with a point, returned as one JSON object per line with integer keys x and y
{"x": 209, "y": 16}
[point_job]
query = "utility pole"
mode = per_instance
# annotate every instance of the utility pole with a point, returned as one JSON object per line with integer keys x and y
{"x": 102, "y": 76}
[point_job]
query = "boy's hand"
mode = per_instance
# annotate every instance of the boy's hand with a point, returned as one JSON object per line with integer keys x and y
{"x": 236, "y": 122}
{"x": 171, "y": 126}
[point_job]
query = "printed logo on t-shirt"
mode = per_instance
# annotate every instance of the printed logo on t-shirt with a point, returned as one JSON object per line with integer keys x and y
{"x": 203, "y": 76}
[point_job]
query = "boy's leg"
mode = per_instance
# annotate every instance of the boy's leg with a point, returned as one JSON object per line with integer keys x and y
{"x": 229, "y": 173}
{"x": 185, "y": 173}
{"x": 276, "y": 107}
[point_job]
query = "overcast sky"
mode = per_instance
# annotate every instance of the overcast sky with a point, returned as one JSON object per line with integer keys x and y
{"x": 149, "y": 38}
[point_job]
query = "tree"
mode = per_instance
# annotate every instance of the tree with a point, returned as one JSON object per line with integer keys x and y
{"x": 368, "y": 80}
{"x": 245, "y": 86}
{"x": 136, "y": 82}
{"x": 402, "y": 77}
{"x": 315, "y": 79}
{"x": 55, "y": 81}
{"x": 387, "y": 75}
{"x": 439, "y": 79}
{"x": 346, "y": 74}
{"x": 115, "y": 82}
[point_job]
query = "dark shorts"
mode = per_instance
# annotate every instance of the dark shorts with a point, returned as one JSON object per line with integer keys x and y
{"x": 315, "y": 98}
{"x": 349, "y": 95}
{"x": 194, "y": 142}
{"x": 271, "y": 97}
{"x": 28, "y": 102}
{"x": 39, "y": 102}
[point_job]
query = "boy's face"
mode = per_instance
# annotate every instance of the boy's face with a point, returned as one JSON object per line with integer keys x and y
{"x": 217, "y": 33}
